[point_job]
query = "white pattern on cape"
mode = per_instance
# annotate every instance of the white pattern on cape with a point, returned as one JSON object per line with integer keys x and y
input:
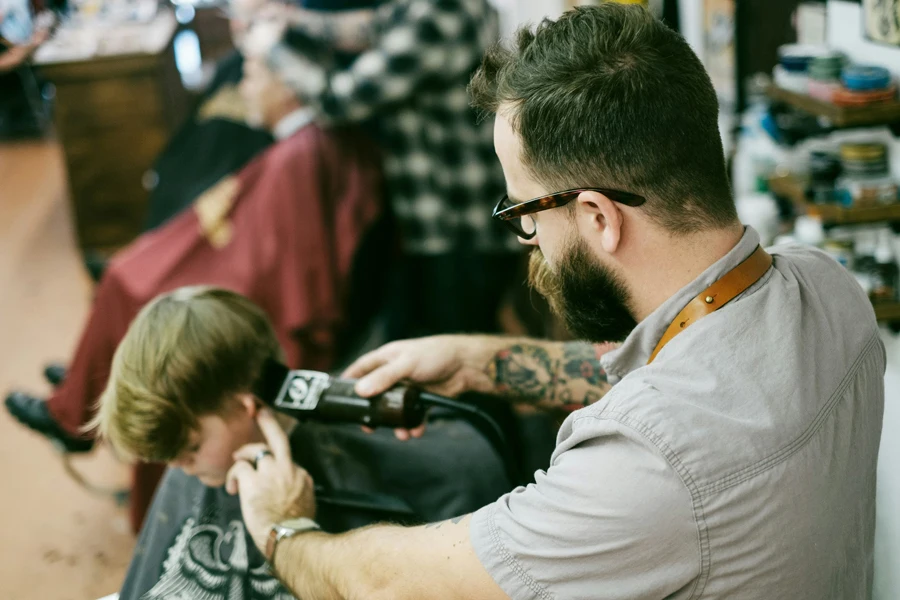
{"x": 207, "y": 563}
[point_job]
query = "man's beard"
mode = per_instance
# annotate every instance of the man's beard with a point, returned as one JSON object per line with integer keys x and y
{"x": 589, "y": 297}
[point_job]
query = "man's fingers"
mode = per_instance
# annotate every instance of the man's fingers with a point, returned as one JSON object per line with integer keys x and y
{"x": 240, "y": 472}
{"x": 275, "y": 436}
{"x": 404, "y": 435}
{"x": 366, "y": 363}
{"x": 383, "y": 378}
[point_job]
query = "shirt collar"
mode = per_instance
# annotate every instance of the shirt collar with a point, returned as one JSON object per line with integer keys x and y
{"x": 293, "y": 122}
{"x": 635, "y": 351}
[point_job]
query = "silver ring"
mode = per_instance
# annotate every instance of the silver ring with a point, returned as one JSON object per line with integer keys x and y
{"x": 261, "y": 455}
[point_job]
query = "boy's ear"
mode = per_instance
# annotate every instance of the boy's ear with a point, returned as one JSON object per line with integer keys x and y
{"x": 249, "y": 403}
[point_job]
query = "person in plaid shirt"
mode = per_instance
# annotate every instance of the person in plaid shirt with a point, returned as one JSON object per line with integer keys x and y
{"x": 441, "y": 170}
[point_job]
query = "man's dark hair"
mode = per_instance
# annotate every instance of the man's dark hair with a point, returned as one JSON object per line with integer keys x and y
{"x": 608, "y": 96}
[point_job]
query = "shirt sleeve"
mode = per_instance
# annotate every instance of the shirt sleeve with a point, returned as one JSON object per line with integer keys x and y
{"x": 419, "y": 43}
{"x": 609, "y": 519}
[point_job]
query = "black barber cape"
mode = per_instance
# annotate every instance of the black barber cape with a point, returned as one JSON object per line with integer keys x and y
{"x": 194, "y": 543}
{"x": 213, "y": 143}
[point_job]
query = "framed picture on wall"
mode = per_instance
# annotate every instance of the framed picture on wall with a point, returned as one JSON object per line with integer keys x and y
{"x": 881, "y": 19}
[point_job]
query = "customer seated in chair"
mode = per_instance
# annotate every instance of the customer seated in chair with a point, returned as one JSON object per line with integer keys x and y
{"x": 218, "y": 138}
{"x": 179, "y": 392}
{"x": 285, "y": 231}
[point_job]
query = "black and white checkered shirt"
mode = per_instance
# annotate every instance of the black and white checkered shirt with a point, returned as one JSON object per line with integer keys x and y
{"x": 442, "y": 174}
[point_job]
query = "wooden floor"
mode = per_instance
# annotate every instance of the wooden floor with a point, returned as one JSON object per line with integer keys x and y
{"x": 57, "y": 541}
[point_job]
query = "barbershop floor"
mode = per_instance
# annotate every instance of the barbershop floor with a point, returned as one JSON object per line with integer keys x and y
{"x": 57, "y": 541}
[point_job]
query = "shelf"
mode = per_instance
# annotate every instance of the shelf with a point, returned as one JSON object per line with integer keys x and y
{"x": 887, "y": 311}
{"x": 790, "y": 187}
{"x": 793, "y": 188}
{"x": 839, "y": 116}
{"x": 836, "y": 215}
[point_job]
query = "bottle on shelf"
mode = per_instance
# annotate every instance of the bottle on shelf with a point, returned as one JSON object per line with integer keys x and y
{"x": 864, "y": 243}
{"x": 885, "y": 272}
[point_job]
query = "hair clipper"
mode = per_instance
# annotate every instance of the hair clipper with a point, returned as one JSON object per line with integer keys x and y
{"x": 318, "y": 396}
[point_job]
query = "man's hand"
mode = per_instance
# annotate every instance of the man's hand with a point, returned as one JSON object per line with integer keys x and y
{"x": 446, "y": 364}
{"x": 44, "y": 23}
{"x": 276, "y": 489}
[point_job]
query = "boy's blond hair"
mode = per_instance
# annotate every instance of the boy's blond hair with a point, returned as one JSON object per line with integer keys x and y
{"x": 185, "y": 355}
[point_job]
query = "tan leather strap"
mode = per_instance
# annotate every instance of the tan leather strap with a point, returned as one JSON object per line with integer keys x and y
{"x": 723, "y": 291}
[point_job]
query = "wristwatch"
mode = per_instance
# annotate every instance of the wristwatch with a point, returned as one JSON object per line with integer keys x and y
{"x": 286, "y": 529}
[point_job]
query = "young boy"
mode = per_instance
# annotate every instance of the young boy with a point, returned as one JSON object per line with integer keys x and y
{"x": 290, "y": 230}
{"x": 179, "y": 392}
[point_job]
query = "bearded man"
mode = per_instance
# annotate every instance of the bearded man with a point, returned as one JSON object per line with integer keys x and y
{"x": 734, "y": 454}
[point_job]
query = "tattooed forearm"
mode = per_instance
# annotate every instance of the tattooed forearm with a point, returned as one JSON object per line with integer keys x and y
{"x": 524, "y": 369}
{"x": 580, "y": 361}
{"x": 551, "y": 375}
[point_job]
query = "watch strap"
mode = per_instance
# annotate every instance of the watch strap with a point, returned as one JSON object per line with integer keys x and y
{"x": 286, "y": 529}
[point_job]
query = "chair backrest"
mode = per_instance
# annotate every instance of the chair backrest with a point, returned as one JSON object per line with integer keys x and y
{"x": 368, "y": 281}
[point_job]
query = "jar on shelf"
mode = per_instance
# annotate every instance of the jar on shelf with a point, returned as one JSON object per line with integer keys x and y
{"x": 885, "y": 271}
{"x": 862, "y": 192}
{"x": 841, "y": 250}
{"x": 824, "y": 169}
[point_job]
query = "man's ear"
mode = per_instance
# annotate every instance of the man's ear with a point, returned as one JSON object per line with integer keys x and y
{"x": 604, "y": 216}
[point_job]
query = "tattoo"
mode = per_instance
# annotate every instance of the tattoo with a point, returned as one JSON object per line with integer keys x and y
{"x": 438, "y": 525}
{"x": 551, "y": 375}
{"x": 525, "y": 369}
{"x": 580, "y": 360}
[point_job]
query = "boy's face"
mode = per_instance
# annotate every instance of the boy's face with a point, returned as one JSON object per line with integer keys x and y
{"x": 210, "y": 450}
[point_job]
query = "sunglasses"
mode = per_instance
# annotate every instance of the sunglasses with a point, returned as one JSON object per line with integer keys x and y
{"x": 516, "y": 215}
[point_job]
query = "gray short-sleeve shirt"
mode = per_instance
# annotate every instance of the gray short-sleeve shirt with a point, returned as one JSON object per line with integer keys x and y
{"x": 739, "y": 464}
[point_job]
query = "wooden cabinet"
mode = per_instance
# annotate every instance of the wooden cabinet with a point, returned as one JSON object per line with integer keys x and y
{"x": 114, "y": 114}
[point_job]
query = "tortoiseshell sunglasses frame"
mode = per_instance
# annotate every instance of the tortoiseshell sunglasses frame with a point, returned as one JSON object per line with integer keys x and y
{"x": 507, "y": 215}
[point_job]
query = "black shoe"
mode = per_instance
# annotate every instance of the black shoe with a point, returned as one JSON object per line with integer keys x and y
{"x": 33, "y": 413}
{"x": 55, "y": 373}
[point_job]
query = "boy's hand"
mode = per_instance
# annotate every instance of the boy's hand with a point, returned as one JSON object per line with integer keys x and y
{"x": 276, "y": 489}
